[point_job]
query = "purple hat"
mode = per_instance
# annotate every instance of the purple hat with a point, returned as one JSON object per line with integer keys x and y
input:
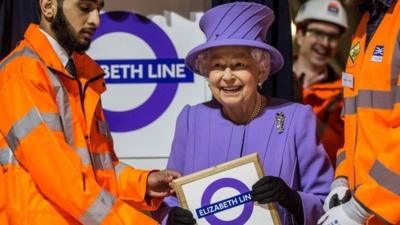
{"x": 237, "y": 24}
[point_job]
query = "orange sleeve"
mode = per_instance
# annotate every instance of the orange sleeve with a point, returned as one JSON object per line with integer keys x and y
{"x": 132, "y": 187}
{"x": 380, "y": 192}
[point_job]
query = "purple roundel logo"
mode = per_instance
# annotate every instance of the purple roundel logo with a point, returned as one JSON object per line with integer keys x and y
{"x": 162, "y": 46}
{"x": 227, "y": 203}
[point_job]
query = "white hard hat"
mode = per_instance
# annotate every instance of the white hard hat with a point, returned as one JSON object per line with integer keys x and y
{"x": 330, "y": 11}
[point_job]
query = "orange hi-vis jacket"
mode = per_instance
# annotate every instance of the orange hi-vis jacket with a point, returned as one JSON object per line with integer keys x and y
{"x": 56, "y": 151}
{"x": 326, "y": 100}
{"x": 370, "y": 158}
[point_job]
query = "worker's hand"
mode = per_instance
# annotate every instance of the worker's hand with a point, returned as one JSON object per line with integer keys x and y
{"x": 340, "y": 194}
{"x": 180, "y": 216}
{"x": 349, "y": 213}
{"x": 159, "y": 183}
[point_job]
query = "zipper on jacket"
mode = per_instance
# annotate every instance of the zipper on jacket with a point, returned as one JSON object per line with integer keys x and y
{"x": 82, "y": 97}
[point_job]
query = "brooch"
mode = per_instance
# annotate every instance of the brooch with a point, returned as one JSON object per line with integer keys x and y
{"x": 279, "y": 121}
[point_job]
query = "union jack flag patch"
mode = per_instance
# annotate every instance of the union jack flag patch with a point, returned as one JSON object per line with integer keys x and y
{"x": 377, "y": 55}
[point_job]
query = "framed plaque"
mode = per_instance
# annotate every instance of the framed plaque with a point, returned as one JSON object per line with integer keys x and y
{"x": 220, "y": 195}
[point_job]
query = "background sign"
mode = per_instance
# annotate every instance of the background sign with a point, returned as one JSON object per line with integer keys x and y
{"x": 147, "y": 81}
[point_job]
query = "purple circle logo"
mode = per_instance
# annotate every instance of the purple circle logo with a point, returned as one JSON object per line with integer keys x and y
{"x": 223, "y": 183}
{"x": 162, "y": 46}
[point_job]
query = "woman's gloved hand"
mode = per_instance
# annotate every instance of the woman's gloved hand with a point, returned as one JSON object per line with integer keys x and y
{"x": 273, "y": 189}
{"x": 180, "y": 216}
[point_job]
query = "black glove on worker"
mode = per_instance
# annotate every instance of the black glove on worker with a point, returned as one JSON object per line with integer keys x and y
{"x": 335, "y": 201}
{"x": 273, "y": 189}
{"x": 180, "y": 216}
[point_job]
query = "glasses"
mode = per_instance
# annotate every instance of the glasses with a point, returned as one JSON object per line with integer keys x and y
{"x": 321, "y": 35}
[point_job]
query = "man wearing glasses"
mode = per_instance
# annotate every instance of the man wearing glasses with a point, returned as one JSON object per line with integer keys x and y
{"x": 320, "y": 25}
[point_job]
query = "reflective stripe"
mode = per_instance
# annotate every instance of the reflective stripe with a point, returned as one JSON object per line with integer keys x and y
{"x": 52, "y": 120}
{"x": 7, "y": 157}
{"x": 395, "y": 64}
{"x": 22, "y": 128}
{"x": 102, "y": 161}
{"x": 63, "y": 107}
{"x": 119, "y": 168}
{"x": 101, "y": 207}
{"x": 385, "y": 178}
{"x": 61, "y": 94}
{"x": 25, "y": 125}
{"x": 370, "y": 99}
{"x": 23, "y": 52}
{"x": 84, "y": 155}
{"x": 340, "y": 158}
{"x": 350, "y": 106}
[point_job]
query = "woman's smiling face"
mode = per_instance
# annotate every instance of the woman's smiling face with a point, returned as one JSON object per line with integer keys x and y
{"x": 233, "y": 75}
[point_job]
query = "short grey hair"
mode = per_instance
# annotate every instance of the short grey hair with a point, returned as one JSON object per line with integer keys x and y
{"x": 261, "y": 57}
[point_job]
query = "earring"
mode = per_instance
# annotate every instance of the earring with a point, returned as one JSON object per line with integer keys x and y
{"x": 259, "y": 86}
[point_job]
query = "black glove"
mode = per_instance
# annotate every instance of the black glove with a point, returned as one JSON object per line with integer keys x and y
{"x": 273, "y": 189}
{"x": 180, "y": 216}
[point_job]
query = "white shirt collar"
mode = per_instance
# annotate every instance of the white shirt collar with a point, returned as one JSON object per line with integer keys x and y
{"x": 60, "y": 51}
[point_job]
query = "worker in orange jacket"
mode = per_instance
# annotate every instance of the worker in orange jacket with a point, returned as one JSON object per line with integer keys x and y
{"x": 56, "y": 150}
{"x": 368, "y": 166}
{"x": 320, "y": 25}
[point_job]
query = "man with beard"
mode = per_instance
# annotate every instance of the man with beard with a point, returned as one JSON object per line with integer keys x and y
{"x": 368, "y": 164}
{"x": 56, "y": 152}
{"x": 320, "y": 24}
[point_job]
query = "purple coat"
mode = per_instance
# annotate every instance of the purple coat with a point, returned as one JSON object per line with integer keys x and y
{"x": 204, "y": 138}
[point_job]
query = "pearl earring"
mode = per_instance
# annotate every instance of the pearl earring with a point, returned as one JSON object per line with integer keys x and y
{"x": 259, "y": 86}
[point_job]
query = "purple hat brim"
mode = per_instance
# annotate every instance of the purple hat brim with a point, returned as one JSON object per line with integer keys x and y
{"x": 276, "y": 58}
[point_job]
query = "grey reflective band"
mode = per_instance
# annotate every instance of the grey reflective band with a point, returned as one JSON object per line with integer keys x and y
{"x": 385, "y": 177}
{"x": 63, "y": 107}
{"x": 52, "y": 120}
{"x": 395, "y": 64}
{"x": 98, "y": 211}
{"x": 7, "y": 157}
{"x": 340, "y": 158}
{"x": 84, "y": 155}
{"x": 119, "y": 168}
{"x": 22, "y": 128}
{"x": 370, "y": 99}
{"x": 25, "y": 125}
{"x": 61, "y": 94}
{"x": 102, "y": 161}
{"x": 23, "y": 52}
{"x": 350, "y": 106}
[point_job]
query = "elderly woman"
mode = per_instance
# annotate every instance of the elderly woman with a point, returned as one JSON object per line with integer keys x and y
{"x": 239, "y": 120}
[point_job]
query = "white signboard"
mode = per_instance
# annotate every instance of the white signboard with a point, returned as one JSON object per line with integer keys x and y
{"x": 147, "y": 81}
{"x": 221, "y": 194}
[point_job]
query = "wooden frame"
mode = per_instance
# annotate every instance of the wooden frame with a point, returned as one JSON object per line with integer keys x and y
{"x": 197, "y": 192}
